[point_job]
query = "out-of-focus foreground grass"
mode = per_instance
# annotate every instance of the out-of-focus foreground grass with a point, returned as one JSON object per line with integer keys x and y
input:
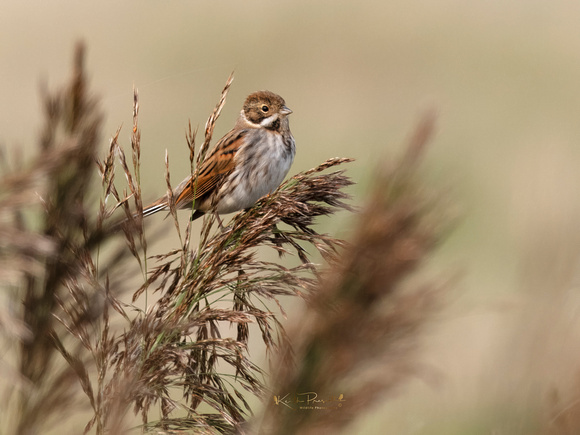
{"x": 503, "y": 78}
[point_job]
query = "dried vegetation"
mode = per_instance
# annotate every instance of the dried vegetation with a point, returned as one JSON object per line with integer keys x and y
{"x": 79, "y": 341}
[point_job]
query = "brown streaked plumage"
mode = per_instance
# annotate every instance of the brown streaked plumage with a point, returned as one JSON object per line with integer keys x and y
{"x": 249, "y": 162}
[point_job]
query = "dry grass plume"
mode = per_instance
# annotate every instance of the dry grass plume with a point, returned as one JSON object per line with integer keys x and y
{"x": 82, "y": 346}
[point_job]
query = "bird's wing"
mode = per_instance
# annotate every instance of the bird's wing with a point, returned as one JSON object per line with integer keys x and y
{"x": 213, "y": 171}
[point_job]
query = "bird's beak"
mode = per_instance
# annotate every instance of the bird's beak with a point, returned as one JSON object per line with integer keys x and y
{"x": 285, "y": 110}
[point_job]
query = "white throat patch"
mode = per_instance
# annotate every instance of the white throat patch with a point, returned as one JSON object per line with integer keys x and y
{"x": 267, "y": 122}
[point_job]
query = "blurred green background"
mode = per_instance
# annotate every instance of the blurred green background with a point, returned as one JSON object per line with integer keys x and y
{"x": 504, "y": 78}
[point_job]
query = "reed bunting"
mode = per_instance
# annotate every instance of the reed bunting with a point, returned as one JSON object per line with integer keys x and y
{"x": 247, "y": 163}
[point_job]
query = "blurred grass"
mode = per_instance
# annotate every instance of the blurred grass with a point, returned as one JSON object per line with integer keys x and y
{"x": 503, "y": 77}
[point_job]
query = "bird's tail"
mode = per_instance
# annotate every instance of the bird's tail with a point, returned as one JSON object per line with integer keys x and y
{"x": 159, "y": 205}
{"x": 162, "y": 204}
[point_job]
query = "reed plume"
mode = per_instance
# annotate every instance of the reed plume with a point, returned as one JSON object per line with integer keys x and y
{"x": 80, "y": 336}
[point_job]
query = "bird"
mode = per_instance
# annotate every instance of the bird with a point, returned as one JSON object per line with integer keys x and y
{"x": 249, "y": 162}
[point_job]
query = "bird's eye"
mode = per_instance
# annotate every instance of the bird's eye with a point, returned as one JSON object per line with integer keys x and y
{"x": 265, "y": 108}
